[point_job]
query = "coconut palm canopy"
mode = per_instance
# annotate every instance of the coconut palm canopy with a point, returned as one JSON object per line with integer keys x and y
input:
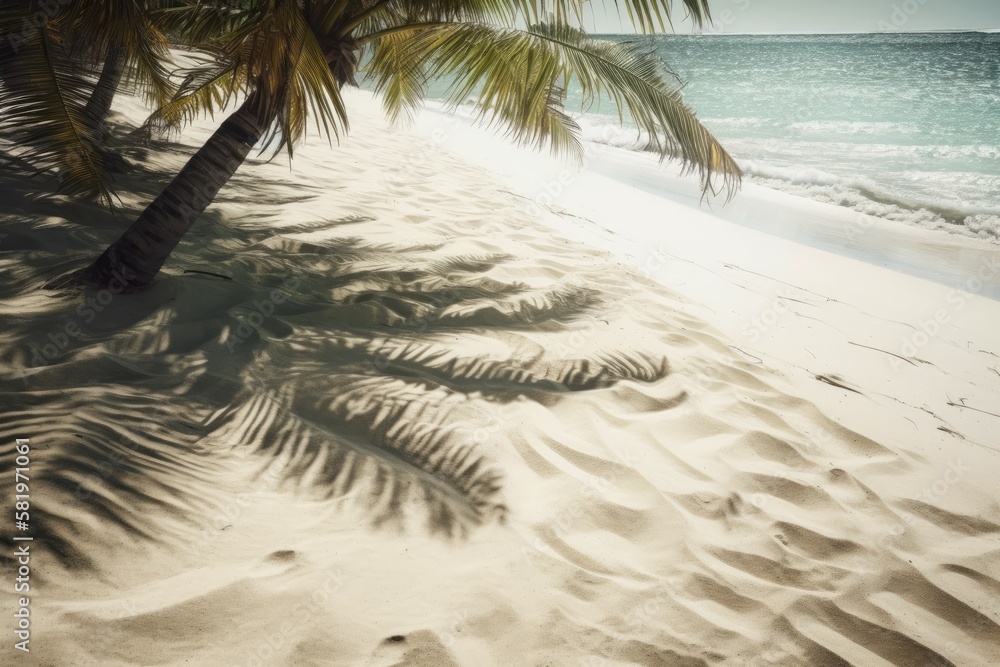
{"x": 518, "y": 76}
{"x": 288, "y": 59}
{"x": 54, "y": 94}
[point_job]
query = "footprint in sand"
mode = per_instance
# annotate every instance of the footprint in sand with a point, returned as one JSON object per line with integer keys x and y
{"x": 416, "y": 649}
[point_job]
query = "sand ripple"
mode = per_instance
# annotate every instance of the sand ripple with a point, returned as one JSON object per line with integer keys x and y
{"x": 427, "y": 432}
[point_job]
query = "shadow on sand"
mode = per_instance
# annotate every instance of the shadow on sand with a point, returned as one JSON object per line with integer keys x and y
{"x": 372, "y": 374}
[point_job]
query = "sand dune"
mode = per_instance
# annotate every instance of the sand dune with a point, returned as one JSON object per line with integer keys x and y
{"x": 373, "y": 414}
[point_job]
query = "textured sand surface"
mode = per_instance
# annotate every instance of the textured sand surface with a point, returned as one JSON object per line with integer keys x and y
{"x": 410, "y": 425}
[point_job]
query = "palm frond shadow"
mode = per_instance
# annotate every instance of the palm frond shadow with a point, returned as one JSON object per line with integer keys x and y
{"x": 376, "y": 393}
{"x": 351, "y": 371}
{"x": 106, "y": 461}
{"x": 384, "y": 444}
{"x": 507, "y": 378}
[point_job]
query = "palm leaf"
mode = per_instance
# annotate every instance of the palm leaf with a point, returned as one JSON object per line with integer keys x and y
{"x": 398, "y": 76}
{"x": 364, "y": 18}
{"x": 126, "y": 25}
{"x": 271, "y": 49}
{"x": 43, "y": 99}
{"x": 518, "y": 76}
{"x": 194, "y": 23}
{"x": 205, "y": 89}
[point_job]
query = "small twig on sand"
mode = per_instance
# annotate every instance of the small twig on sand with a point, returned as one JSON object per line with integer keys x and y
{"x": 883, "y": 351}
{"x": 950, "y": 432}
{"x": 798, "y": 287}
{"x": 208, "y": 273}
{"x": 969, "y": 407}
{"x": 832, "y": 382}
{"x": 759, "y": 360}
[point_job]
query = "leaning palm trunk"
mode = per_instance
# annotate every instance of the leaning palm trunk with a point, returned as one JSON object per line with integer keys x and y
{"x": 99, "y": 104}
{"x": 297, "y": 55}
{"x": 140, "y": 252}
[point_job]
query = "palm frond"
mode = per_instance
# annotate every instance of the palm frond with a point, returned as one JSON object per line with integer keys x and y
{"x": 292, "y": 53}
{"x": 656, "y": 15}
{"x": 195, "y": 23}
{"x": 363, "y": 18}
{"x": 43, "y": 110}
{"x": 513, "y": 86}
{"x": 128, "y": 26}
{"x": 270, "y": 49}
{"x": 517, "y": 77}
{"x": 204, "y": 90}
{"x": 398, "y": 76}
{"x": 313, "y": 87}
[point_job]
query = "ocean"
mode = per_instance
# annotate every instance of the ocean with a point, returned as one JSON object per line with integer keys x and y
{"x": 900, "y": 126}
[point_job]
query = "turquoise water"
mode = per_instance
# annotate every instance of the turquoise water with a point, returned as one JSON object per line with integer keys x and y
{"x": 902, "y": 126}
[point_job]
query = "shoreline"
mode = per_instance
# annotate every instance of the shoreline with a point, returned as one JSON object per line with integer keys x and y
{"x": 950, "y": 259}
{"x": 465, "y": 433}
{"x": 720, "y": 261}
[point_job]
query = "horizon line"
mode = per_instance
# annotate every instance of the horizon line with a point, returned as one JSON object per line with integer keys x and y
{"x": 849, "y": 32}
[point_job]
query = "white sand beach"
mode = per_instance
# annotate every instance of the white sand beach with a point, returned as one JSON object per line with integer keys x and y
{"x": 402, "y": 403}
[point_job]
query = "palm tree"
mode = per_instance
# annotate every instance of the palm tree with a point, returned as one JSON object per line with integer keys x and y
{"x": 60, "y": 66}
{"x": 287, "y": 60}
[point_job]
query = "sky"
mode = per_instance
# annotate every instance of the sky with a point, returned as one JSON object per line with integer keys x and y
{"x": 806, "y": 16}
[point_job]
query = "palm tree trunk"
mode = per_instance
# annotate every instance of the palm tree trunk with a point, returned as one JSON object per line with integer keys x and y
{"x": 99, "y": 104}
{"x": 140, "y": 252}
